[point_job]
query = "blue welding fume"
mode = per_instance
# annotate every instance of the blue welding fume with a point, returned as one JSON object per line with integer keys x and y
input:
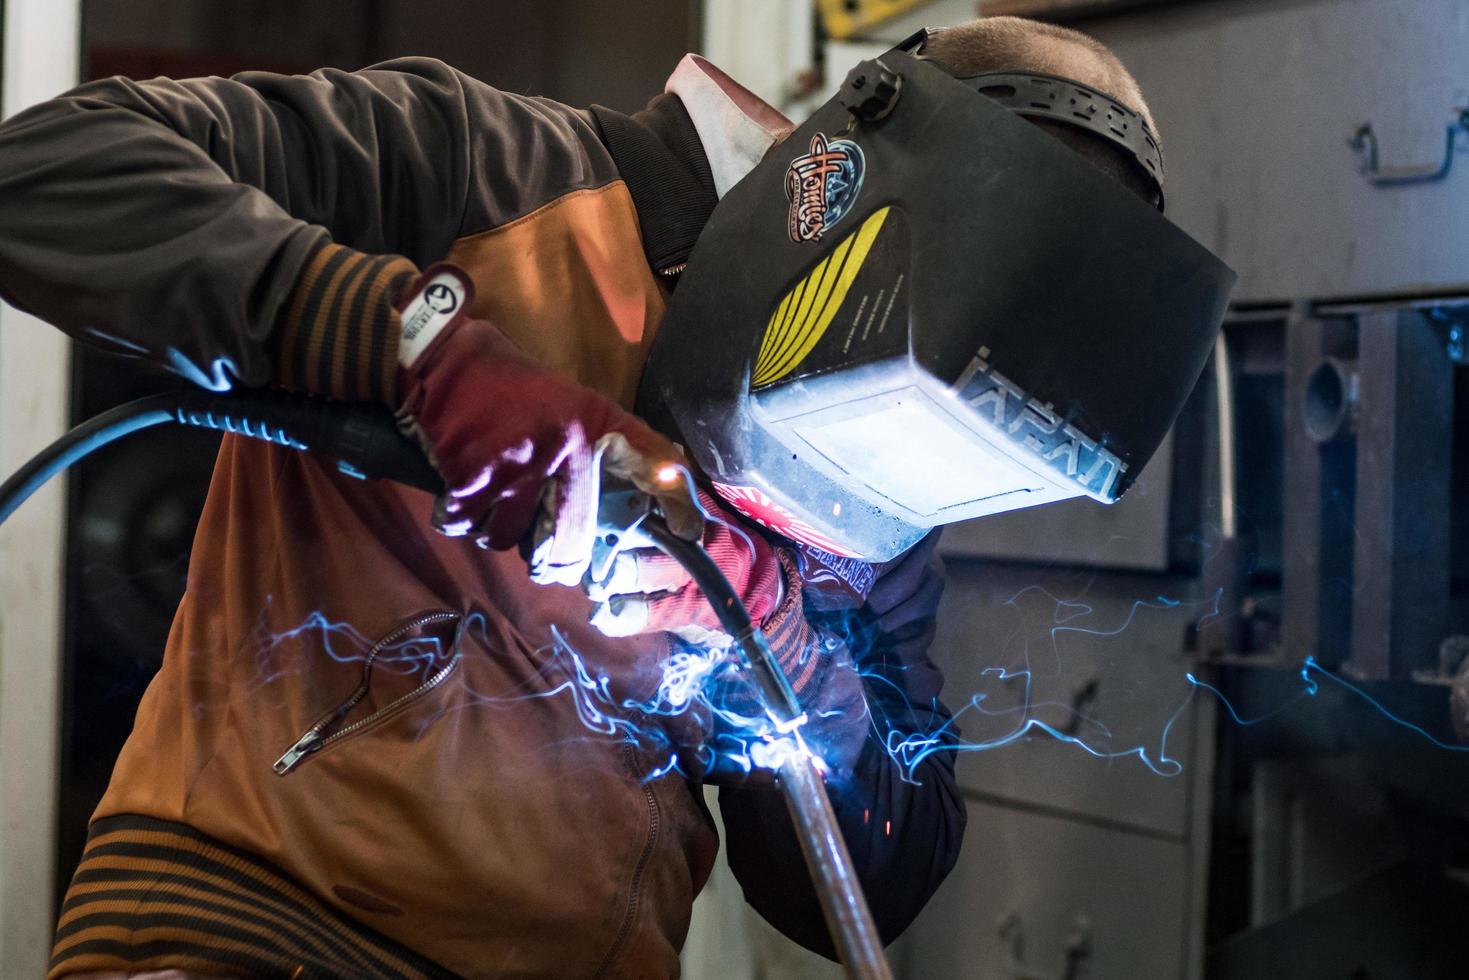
{"x": 919, "y": 338}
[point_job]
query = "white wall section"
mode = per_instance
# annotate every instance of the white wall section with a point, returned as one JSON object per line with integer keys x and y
{"x": 41, "y": 51}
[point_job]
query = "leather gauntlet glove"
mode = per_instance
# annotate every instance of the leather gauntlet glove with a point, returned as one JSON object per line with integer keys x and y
{"x": 511, "y": 438}
{"x": 646, "y": 591}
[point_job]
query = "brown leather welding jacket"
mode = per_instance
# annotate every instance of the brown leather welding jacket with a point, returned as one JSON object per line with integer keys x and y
{"x": 468, "y": 809}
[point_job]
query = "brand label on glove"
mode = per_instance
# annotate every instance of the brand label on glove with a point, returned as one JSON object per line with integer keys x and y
{"x": 428, "y": 313}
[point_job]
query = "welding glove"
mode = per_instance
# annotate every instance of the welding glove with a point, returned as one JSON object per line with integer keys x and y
{"x": 512, "y": 438}
{"x": 645, "y": 591}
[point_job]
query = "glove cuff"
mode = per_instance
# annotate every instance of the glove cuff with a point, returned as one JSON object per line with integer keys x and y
{"x": 795, "y": 644}
{"x": 338, "y": 334}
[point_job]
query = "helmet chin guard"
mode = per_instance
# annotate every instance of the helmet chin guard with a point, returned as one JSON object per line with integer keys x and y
{"x": 923, "y": 312}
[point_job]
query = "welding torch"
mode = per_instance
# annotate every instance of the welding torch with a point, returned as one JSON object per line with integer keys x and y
{"x": 842, "y": 902}
{"x": 364, "y": 442}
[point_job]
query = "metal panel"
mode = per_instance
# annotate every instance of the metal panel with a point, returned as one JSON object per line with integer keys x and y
{"x": 1406, "y": 923}
{"x": 1256, "y": 102}
{"x": 1368, "y": 465}
{"x": 1031, "y": 891}
{"x": 1106, "y": 666}
{"x": 728, "y": 940}
{"x": 1404, "y": 464}
{"x": 1317, "y": 519}
{"x": 1315, "y": 827}
{"x": 1301, "y": 523}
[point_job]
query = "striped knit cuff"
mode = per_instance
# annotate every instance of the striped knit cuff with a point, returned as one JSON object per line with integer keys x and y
{"x": 795, "y": 644}
{"x": 338, "y": 335}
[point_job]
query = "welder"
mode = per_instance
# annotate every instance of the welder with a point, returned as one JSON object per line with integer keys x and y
{"x": 365, "y": 753}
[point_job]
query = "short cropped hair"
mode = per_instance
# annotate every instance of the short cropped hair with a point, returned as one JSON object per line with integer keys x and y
{"x": 1018, "y": 44}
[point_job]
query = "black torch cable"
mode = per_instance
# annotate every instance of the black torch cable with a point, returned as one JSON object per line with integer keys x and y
{"x": 775, "y": 690}
{"x": 362, "y": 439}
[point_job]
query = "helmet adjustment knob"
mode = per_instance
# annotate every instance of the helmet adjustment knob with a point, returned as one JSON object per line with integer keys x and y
{"x": 871, "y": 90}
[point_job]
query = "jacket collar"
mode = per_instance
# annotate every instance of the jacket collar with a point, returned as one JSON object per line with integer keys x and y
{"x": 735, "y": 126}
{"x": 680, "y": 154}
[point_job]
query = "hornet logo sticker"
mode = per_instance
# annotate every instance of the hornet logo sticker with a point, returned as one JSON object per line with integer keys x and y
{"x": 822, "y": 185}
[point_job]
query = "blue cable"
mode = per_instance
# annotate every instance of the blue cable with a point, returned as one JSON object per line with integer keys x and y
{"x": 84, "y": 439}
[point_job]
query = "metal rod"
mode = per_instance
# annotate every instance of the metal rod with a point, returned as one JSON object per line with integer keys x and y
{"x": 842, "y": 902}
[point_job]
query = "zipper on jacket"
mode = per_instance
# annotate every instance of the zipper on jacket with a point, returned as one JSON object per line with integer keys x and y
{"x": 319, "y": 735}
{"x": 634, "y": 892}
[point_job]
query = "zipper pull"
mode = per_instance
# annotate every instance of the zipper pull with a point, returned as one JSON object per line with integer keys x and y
{"x": 304, "y": 746}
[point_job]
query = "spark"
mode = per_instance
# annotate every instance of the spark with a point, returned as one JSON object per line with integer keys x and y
{"x": 343, "y": 643}
{"x": 701, "y": 681}
{"x": 1247, "y": 722}
{"x": 216, "y": 376}
{"x": 775, "y": 752}
{"x": 909, "y": 749}
{"x": 710, "y": 684}
{"x": 1311, "y": 674}
{"x": 684, "y": 673}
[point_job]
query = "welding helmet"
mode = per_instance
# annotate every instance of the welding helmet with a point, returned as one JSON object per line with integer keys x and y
{"x": 920, "y": 308}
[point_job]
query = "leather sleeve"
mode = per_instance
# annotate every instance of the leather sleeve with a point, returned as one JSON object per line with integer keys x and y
{"x": 189, "y": 221}
{"x": 903, "y": 823}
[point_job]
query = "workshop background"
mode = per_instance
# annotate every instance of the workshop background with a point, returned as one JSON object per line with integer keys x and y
{"x": 1246, "y": 671}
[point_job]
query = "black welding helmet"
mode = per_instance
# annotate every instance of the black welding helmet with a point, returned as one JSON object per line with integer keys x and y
{"x": 920, "y": 308}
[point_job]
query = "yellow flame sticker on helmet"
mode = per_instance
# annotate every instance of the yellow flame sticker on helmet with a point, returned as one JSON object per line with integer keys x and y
{"x": 808, "y": 309}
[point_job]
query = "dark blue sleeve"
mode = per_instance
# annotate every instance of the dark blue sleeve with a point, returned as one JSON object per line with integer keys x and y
{"x": 902, "y": 827}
